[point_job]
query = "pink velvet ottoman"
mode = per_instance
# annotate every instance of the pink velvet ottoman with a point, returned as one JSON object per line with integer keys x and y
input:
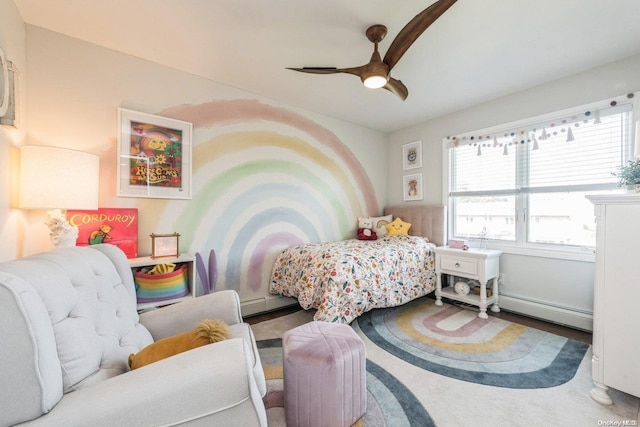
{"x": 324, "y": 375}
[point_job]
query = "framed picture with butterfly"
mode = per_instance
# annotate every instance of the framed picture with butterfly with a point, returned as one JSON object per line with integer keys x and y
{"x": 412, "y": 155}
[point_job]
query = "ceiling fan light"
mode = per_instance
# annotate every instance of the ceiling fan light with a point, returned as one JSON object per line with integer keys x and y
{"x": 375, "y": 82}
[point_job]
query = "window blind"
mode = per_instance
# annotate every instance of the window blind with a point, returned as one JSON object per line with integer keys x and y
{"x": 586, "y": 159}
{"x": 575, "y": 152}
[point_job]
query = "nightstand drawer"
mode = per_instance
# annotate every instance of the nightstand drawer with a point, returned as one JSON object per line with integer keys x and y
{"x": 459, "y": 265}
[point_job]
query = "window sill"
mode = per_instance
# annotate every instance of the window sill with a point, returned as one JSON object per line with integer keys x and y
{"x": 577, "y": 254}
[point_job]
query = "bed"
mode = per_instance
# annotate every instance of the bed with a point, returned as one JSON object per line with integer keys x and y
{"x": 344, "y": 279}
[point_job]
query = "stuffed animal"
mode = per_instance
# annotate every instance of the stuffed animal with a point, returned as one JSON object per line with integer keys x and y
{"x": 206, "y": 332}
{"x": 367, "y": 234}
{"x": 365, "y": 228}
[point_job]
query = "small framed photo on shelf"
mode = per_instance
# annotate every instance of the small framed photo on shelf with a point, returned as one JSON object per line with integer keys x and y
{"x": 412, "y": 187}
{"x": 154, "y": 156}
{"x": 165, "y": 245}
{"x": 412, "y": 155}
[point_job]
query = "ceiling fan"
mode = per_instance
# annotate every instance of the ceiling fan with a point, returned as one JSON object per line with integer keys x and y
{"x": 375, "y": 74}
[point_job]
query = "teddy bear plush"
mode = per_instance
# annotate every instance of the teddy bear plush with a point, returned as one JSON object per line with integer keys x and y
{"x": 365, "y": 229}
{"x": 206, "y": 332}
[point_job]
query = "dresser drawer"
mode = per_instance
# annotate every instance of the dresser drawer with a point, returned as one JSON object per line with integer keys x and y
{"x": 459, "y": 265}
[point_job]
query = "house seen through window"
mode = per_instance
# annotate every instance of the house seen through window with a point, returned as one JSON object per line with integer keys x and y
{"x": 526, "y": 185}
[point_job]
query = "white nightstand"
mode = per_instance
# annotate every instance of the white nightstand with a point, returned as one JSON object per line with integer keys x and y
{"x": 479, "y": 264}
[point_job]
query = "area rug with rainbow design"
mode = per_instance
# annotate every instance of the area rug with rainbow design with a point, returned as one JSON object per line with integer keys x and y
{"x": 455, "y": 342}
{"x": 441, "y": 366}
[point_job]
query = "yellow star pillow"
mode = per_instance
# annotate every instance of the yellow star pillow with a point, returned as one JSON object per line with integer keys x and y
{"x": 398, "y": 227}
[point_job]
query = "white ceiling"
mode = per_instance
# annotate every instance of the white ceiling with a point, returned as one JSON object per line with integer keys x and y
{"x": 477, "y": 51}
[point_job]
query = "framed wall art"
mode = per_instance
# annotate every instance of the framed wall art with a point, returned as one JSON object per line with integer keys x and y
{"x": 412, "y": 187}
{"x": 412, "y": 155}
{"x": 154, "y": 156}
{"x": 8, "y": 85}
{"x": 165, "y": 245}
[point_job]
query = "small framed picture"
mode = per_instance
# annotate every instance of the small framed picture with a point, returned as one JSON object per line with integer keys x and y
{"x": 165, "y": 245}
{"x": 412, "y": 187}
{"x": 154, "y": 156}
{"x": 412, "y": 155}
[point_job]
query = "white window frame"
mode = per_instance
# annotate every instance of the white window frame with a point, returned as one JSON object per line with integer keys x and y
{"x": 520, "y": 246}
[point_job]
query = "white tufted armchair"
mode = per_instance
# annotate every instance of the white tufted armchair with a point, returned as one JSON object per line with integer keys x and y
{"x": 68, "y": 323}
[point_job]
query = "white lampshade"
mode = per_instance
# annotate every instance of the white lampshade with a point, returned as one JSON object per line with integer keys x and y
{"x": 58, "y": 178}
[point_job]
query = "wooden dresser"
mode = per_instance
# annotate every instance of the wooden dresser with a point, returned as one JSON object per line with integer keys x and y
{"x": 616, "y": 305}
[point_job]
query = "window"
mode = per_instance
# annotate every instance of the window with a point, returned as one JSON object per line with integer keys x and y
{"x": 525, "y": 185}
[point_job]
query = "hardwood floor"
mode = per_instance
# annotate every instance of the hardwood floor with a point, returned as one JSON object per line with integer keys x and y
{"x": 554, "y": 328}
{"x": 257, "y": 318}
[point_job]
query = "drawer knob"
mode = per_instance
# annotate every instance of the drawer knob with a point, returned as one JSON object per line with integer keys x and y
{"x": 457, "y": 265}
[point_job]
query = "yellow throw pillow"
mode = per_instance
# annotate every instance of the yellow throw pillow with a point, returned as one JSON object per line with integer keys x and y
{"x": 398, "y": 227}
{"x": 206, "y": 332}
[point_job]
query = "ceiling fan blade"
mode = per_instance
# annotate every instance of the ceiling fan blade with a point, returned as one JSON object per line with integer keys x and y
{"x": 397, "y": 87}
{"x": 414, "y": 29}
{"x": 329, "y": 70}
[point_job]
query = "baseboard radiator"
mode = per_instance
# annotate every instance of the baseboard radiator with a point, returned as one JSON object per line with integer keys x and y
{"x": 563, "y": 316}
{"x": 262, "y": 305}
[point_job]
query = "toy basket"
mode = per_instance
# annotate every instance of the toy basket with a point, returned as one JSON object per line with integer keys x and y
{"x": 161, "y": 287}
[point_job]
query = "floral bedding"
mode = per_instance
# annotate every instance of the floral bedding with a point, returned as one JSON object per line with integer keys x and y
{"x": 344, "y": 279}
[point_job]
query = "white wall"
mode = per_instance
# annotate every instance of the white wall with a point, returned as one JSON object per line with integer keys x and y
{"x": 315, "y": 174}
{"x": 12, "y": 227}
{"x": 536, "y": 284}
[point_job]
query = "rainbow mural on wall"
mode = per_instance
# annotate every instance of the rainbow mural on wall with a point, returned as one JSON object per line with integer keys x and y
{"x": 264, "y": 178}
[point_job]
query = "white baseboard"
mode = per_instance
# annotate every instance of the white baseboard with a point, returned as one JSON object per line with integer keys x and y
{"x": 265, "y": 304}
{"x": 562, "y": 316}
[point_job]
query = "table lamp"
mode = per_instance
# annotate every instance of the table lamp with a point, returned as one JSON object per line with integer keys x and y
{"x": 57, "y": 178}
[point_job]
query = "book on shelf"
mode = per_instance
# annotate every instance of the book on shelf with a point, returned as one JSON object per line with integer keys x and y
{"x": 117, "y": 226}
